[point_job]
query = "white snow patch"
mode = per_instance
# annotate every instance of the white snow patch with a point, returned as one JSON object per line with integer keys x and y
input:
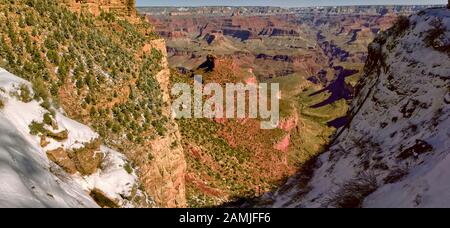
{"x": 25, "y": 169}
{"x": 112, "y": 179}
{"x": 26, "y": 179}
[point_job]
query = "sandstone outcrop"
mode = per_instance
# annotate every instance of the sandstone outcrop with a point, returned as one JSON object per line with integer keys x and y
{"x": 120, "y": 7}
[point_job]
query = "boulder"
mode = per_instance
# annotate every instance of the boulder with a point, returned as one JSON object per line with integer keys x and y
{"x": 62, "y": 159}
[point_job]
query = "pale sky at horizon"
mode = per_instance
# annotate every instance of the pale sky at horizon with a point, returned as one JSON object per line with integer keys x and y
{"x": 285, "y": 3}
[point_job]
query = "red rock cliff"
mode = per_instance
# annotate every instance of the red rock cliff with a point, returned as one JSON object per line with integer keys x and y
{"x": 120, "y": 7}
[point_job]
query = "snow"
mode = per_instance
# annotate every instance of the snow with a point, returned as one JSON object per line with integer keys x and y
{"x": 23, "y": 114}
{"x": 427, "y": 186}
{"x": 113, "y": 180}
{"x": 29, "y": 179}
{"x": 24, "y": 169}
{"x": 415, "y": 73}
{"x": 78, "y": 133}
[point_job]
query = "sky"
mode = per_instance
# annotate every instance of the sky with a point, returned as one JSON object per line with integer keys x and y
{"x": 283, "y": 3}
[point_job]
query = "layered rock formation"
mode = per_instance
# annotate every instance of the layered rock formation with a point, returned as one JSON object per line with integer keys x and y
{"x": 120, "y": 7}
{"x": 394, "y": 152}
{"x": 165, "y": 177}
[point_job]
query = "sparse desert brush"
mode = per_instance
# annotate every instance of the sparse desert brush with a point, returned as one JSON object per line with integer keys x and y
{"x": 36, "y": 128}
{"x": 128, "y": 168}
{"x": 436, "y": 35}
{"x": 88, "y": 53}
{"x": 40, "y": 89}
{"x": 352, "y": 193}
{"x": 396, "y": 175}
{"x": 25, "y": 93}
{"x": 401, "y": 25}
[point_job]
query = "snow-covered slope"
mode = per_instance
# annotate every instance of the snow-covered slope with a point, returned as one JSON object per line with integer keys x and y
{"x": 396, "y": 150}
{"x": 115, "y": 182}
{"x": 29, "y": 179}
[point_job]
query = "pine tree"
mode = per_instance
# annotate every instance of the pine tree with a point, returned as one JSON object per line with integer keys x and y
{"x": 131, "y": 6}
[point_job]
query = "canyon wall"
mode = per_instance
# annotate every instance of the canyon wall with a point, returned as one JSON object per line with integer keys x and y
{"x": 120, "y": 7}
{"x": 162, "y": 178}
